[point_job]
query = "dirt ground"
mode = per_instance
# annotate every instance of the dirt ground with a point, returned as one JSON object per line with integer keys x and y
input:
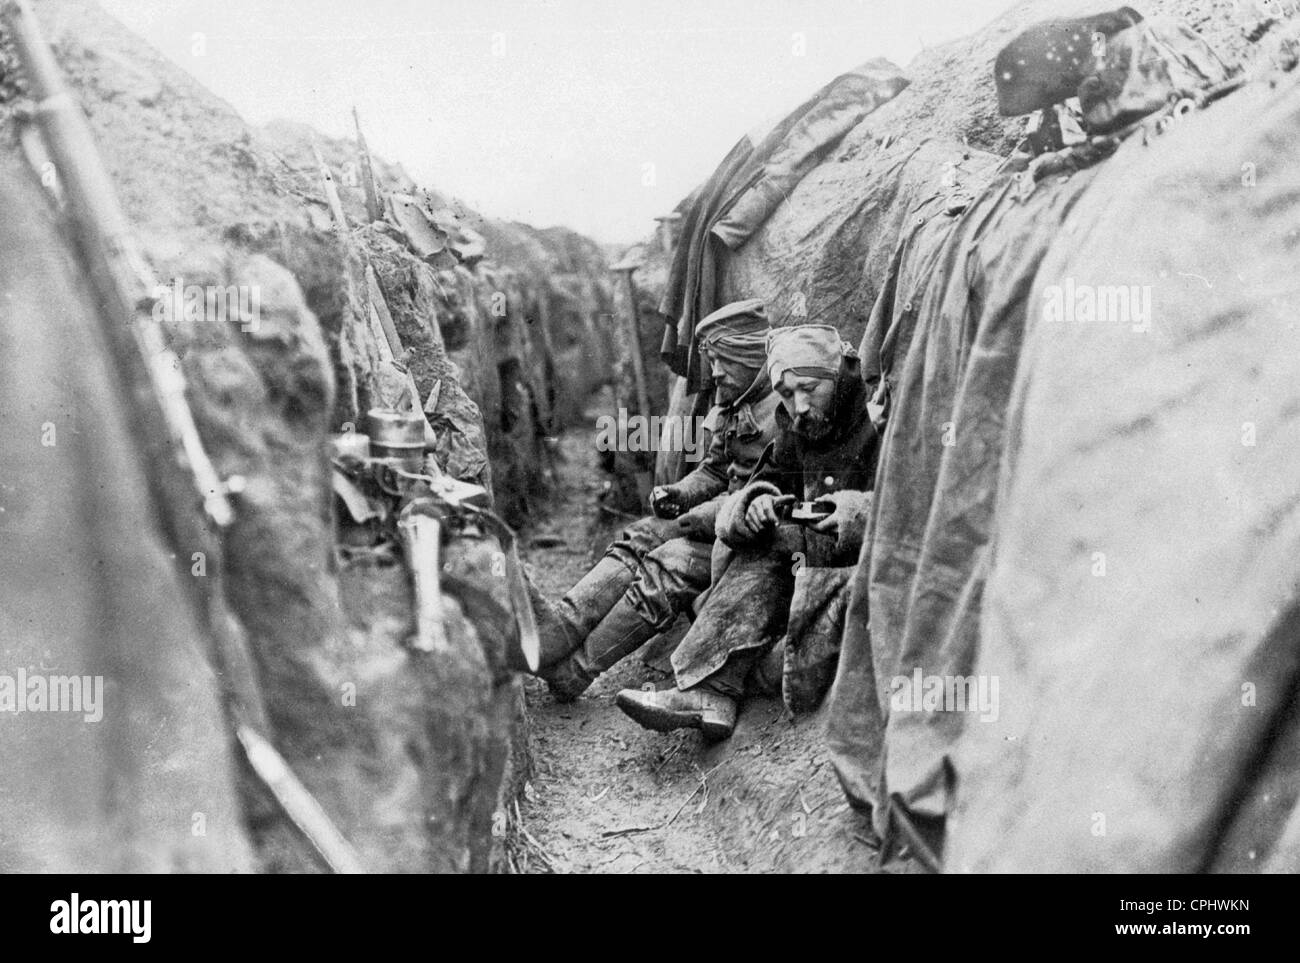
{"x": 610, "y": 797}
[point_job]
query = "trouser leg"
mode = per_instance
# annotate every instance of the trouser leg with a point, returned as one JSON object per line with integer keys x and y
{"x": 730, "y": 679}
{"x": 671, "y": 576}
{"x": 564, "y": 625}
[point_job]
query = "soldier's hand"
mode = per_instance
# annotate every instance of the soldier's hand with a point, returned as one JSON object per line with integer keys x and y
{"x": 851, "y": 508}
{"x": 665, "y": 502}
{"x": 762, "y": 511}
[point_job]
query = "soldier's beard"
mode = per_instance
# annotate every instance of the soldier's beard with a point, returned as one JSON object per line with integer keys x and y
{"x": 725, "y": 393}
{"x": 813, "y": 425}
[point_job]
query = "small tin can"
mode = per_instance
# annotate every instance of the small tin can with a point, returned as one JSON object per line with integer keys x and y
{"x": 397, "y": 437}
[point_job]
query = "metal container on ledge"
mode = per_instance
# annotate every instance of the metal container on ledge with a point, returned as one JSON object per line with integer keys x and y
{"x": 397, "y": 437}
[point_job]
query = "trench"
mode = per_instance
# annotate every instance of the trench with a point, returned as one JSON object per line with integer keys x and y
{"x": 606, "y": 796}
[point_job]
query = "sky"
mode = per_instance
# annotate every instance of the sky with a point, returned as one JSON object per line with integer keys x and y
{"x": 595, "y": 114}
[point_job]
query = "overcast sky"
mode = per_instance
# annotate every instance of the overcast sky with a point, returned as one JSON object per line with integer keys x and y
{"x": 545, "y": 111}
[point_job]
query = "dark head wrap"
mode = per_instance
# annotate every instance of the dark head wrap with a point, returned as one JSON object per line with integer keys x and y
{"x": 736, "y": 332}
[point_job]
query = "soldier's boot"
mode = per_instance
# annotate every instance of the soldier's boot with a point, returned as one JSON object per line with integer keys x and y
{"x": 621, "y": 632}
{"x": 668, "y": 709}
{"x": 564, "y": 625}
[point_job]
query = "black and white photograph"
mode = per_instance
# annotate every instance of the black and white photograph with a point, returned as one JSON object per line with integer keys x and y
{"x": 565, "y": 437}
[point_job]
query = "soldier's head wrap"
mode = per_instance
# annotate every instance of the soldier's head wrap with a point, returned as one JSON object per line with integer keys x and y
{"x": 736, "y": 332}
{"x": 806, "y": 350}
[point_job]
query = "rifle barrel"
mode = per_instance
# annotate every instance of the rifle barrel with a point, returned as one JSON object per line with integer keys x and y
{"x": 121, "y": 279}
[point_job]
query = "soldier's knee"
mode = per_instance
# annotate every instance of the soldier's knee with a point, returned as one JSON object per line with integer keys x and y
{"x": 679, "y": 560}
{"x": 654, "y": 602}
{"x": 640, "y": 538}
{"x": 673, "y": 575}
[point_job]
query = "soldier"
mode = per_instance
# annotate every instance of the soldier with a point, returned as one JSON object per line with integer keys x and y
{"x": 824, "y": 452}
{"x": 658, "y": 566}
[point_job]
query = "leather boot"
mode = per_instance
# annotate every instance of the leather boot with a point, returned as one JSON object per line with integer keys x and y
{"x": 670, "y": 709}
{"x": 620, "y": 633}
{"x": 564, "y": 625}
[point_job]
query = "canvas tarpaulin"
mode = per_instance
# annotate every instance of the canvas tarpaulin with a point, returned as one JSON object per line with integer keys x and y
{"x": 855, "y": 728}
{"x": 1141, "y": 611}
{"x": 922, "y": 579}
{"x": 823, "y": 256}
{"x": 923, "y": 228}
{"x": 751, "y": 182}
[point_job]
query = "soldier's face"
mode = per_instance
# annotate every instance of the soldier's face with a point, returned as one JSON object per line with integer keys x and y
{"x": 730, "y": 378}
{"x": 808, "y": 402}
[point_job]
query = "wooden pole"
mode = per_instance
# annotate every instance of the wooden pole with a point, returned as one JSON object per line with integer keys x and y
{"x": 634, "y": 348}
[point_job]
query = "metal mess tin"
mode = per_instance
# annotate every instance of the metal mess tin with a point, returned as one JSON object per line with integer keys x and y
{"x": 397, "y": 437}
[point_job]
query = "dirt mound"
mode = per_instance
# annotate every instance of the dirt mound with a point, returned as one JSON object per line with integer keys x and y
{"x": 524, "y": 305}
{"x": 140, "y": 778}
